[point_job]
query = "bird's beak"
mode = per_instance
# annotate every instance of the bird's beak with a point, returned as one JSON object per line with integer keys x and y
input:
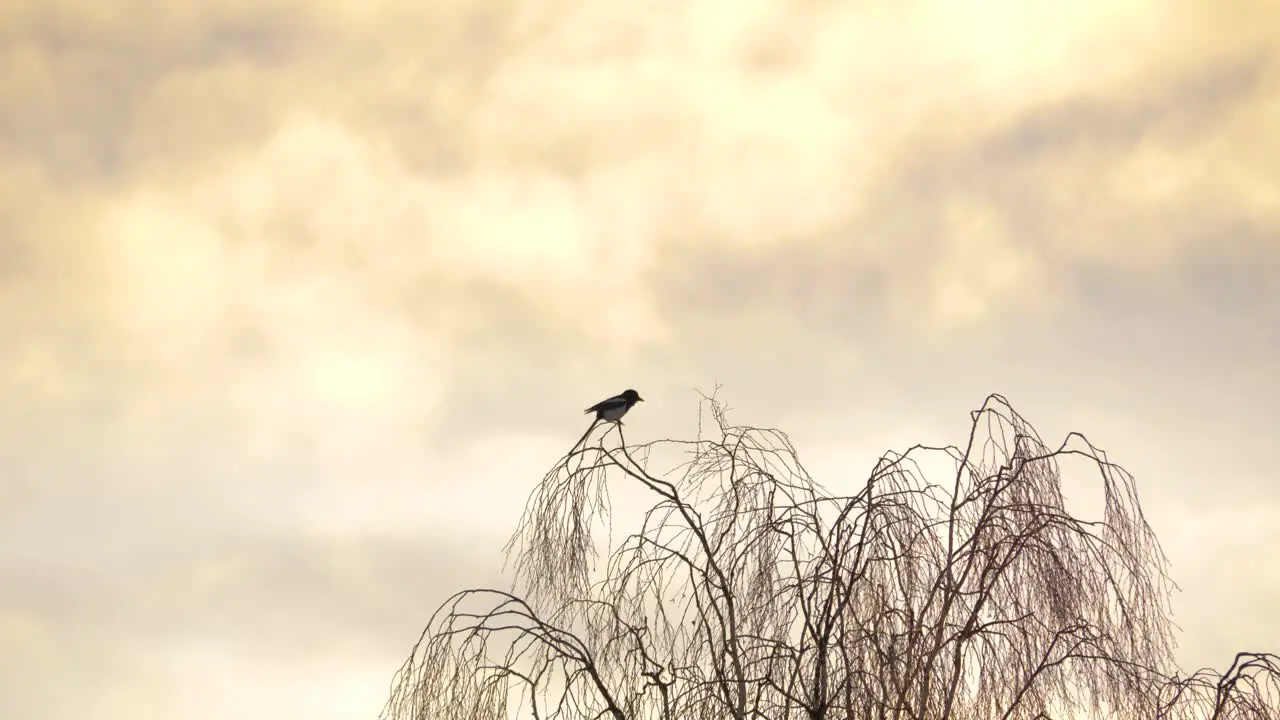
{"x": 639, "y": 399}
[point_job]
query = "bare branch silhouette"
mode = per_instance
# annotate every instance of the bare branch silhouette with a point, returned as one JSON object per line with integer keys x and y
{"x": 1249, "y": 689}
{"x": 748, "y": 590}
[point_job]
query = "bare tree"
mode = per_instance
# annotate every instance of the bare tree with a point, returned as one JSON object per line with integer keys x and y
{"x": 747, "y": 590}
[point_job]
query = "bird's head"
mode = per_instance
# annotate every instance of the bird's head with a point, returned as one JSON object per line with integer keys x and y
{"x": 632, "y": 396}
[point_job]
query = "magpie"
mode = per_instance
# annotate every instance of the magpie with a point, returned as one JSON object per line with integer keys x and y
{"x": 612, "y": 409}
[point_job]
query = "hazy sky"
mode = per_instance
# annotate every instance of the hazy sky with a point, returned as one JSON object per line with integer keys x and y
{"x": 300, "y": 299}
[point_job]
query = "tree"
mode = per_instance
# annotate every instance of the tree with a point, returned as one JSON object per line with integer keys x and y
{"x": 748, "y": 590}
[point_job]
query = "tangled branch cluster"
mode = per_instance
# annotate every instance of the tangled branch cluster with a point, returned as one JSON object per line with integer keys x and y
{"x": 750, "y": 591}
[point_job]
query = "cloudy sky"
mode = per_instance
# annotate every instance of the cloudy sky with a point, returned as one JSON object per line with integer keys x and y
{"x": 299, "y": 299}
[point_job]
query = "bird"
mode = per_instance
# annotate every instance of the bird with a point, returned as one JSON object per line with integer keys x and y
{"x": 612, "y": 409}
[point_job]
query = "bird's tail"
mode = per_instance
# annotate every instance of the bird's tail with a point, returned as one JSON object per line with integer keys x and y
{"x": 583, "y": 439}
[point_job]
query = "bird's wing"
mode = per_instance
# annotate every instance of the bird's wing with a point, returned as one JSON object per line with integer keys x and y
{"x": 614, "y": 401}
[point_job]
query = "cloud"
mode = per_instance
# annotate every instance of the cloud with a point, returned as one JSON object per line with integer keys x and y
{"x": 209, "y": 632}
{"x": 263, "y": 595}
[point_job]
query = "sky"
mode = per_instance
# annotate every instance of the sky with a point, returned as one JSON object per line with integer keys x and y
{"x": 300, "y": 299}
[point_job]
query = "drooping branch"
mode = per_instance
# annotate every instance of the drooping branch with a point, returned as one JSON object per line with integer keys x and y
{"x": 1249, "y": 689}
